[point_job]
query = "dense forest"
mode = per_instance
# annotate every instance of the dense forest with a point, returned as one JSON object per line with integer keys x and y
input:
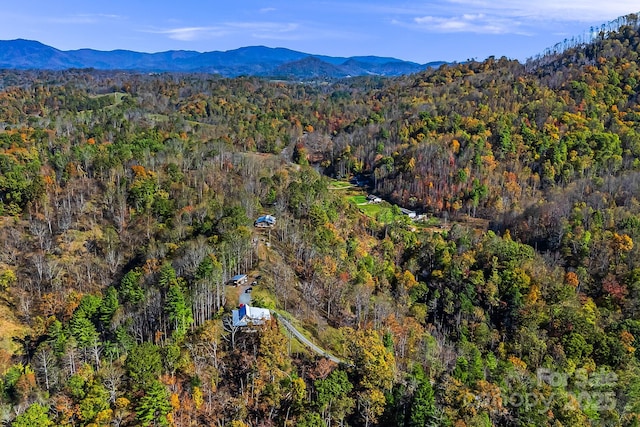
{"x": 127, "y": 202}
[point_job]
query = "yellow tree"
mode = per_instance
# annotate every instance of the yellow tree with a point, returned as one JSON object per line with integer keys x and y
{"x": 621, "y": 244}
{"x": 273, "y": 369}
{"x": 374, "y": 367}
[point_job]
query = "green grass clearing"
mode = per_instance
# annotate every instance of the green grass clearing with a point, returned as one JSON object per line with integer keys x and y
{"x": 372, "y": 210}
{"x": 339, "y": 185}
{"x": 359, "y": 199}
{"x": 369, "y": 209}
{"x": 119, "y": 96}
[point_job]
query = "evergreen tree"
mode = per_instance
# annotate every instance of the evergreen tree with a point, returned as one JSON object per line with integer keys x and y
{"x": 130, "y": 288}
{"x": 154, "y": 406}
{"x": 167, "y": 275}
{"x": 108, "y": 307}
{"x": 333, "y": 396}
{"x": 84, "y": 331}
{"x": 143, "y": 365}
{"x": 423, "y": 403}
{"x": 178, "y": 309}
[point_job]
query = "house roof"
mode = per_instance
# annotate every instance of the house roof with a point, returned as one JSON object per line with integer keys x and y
{"x": 269, "y": 219}
{"x": 407, "y": 211}
{"x": 239, "y": 277}
{"x": 250, "y": 315}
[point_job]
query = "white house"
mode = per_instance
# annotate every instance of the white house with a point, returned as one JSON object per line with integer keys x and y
{"x": 371, "y": 198}
{"x": 239, "y": 279}
{"x": 247, "y": 315}
{"x": 411, "y": 214}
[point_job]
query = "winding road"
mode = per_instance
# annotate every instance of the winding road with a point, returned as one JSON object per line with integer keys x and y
{"x": 304, "y": 340}
{"x": 246, "y": 298}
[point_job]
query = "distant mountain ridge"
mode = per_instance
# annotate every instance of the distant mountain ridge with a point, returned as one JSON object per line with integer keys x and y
{"x": 254, "y": 60}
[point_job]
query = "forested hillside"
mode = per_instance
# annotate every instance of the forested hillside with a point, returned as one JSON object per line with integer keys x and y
{"x": 128, "y": 202}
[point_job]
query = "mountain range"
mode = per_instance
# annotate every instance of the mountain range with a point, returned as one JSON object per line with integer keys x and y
{"x": 254, "y": 60}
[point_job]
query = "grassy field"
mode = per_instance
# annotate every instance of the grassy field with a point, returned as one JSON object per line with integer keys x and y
{"x": 359, "y": 199}
{"x": 339, "y": 185}
{"x": 355, "y": 195}
{"x": 372, "y": 209}
{"x": 369, "y": 209}
{"x": 119, "y": 96}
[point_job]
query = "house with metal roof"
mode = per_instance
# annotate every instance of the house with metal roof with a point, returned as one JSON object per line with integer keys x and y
{"x": 265, "y": 221}
{"x": 408, "y": 212}
{"x": 246, "y": 315}
{"x": 239, "y": 279}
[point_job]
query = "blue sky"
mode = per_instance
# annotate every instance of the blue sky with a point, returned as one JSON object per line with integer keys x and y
{"x": 420, "y": 31}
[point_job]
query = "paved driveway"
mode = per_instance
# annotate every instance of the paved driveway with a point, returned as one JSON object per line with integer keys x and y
{"x": 244, "y": 298}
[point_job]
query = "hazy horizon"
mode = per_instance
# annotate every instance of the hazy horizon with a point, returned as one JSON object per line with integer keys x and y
{"x": 418, "y": 31}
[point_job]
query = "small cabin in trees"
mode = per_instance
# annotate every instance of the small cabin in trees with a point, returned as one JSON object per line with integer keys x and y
{"x": 265, "y": 221}
{"x": 373, "y": 199}
{"x": 246, "y": 315}
{"x": 239, "y": 279}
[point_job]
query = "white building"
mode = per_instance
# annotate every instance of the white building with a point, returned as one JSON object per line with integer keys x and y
{"x": 411, "y": 214}
{"x": 247, "y": 315}
{"x": 239, "y": 279}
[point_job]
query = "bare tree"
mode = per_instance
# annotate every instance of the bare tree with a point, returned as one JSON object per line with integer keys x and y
{"x": 71, "y": 356}
{"x": 45, "y": 364}
{"x": 41, "y": 232}
{"x": 96, "y": 351}
{"x": 232, "y": 330}
{"x": 111, "y": 379}
{"x": 113, "y": 257}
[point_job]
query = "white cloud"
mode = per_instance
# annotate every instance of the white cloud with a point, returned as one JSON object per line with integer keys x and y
{"x": 81, "y": 18}
{"x": 192, "y": 33}
{"x": 267, "y": 9}
{"x": 262, "y": 30}
{"x": 556, "y": 10}
{"x": 469, "y": 23}
{"x": 510, "y": 16}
